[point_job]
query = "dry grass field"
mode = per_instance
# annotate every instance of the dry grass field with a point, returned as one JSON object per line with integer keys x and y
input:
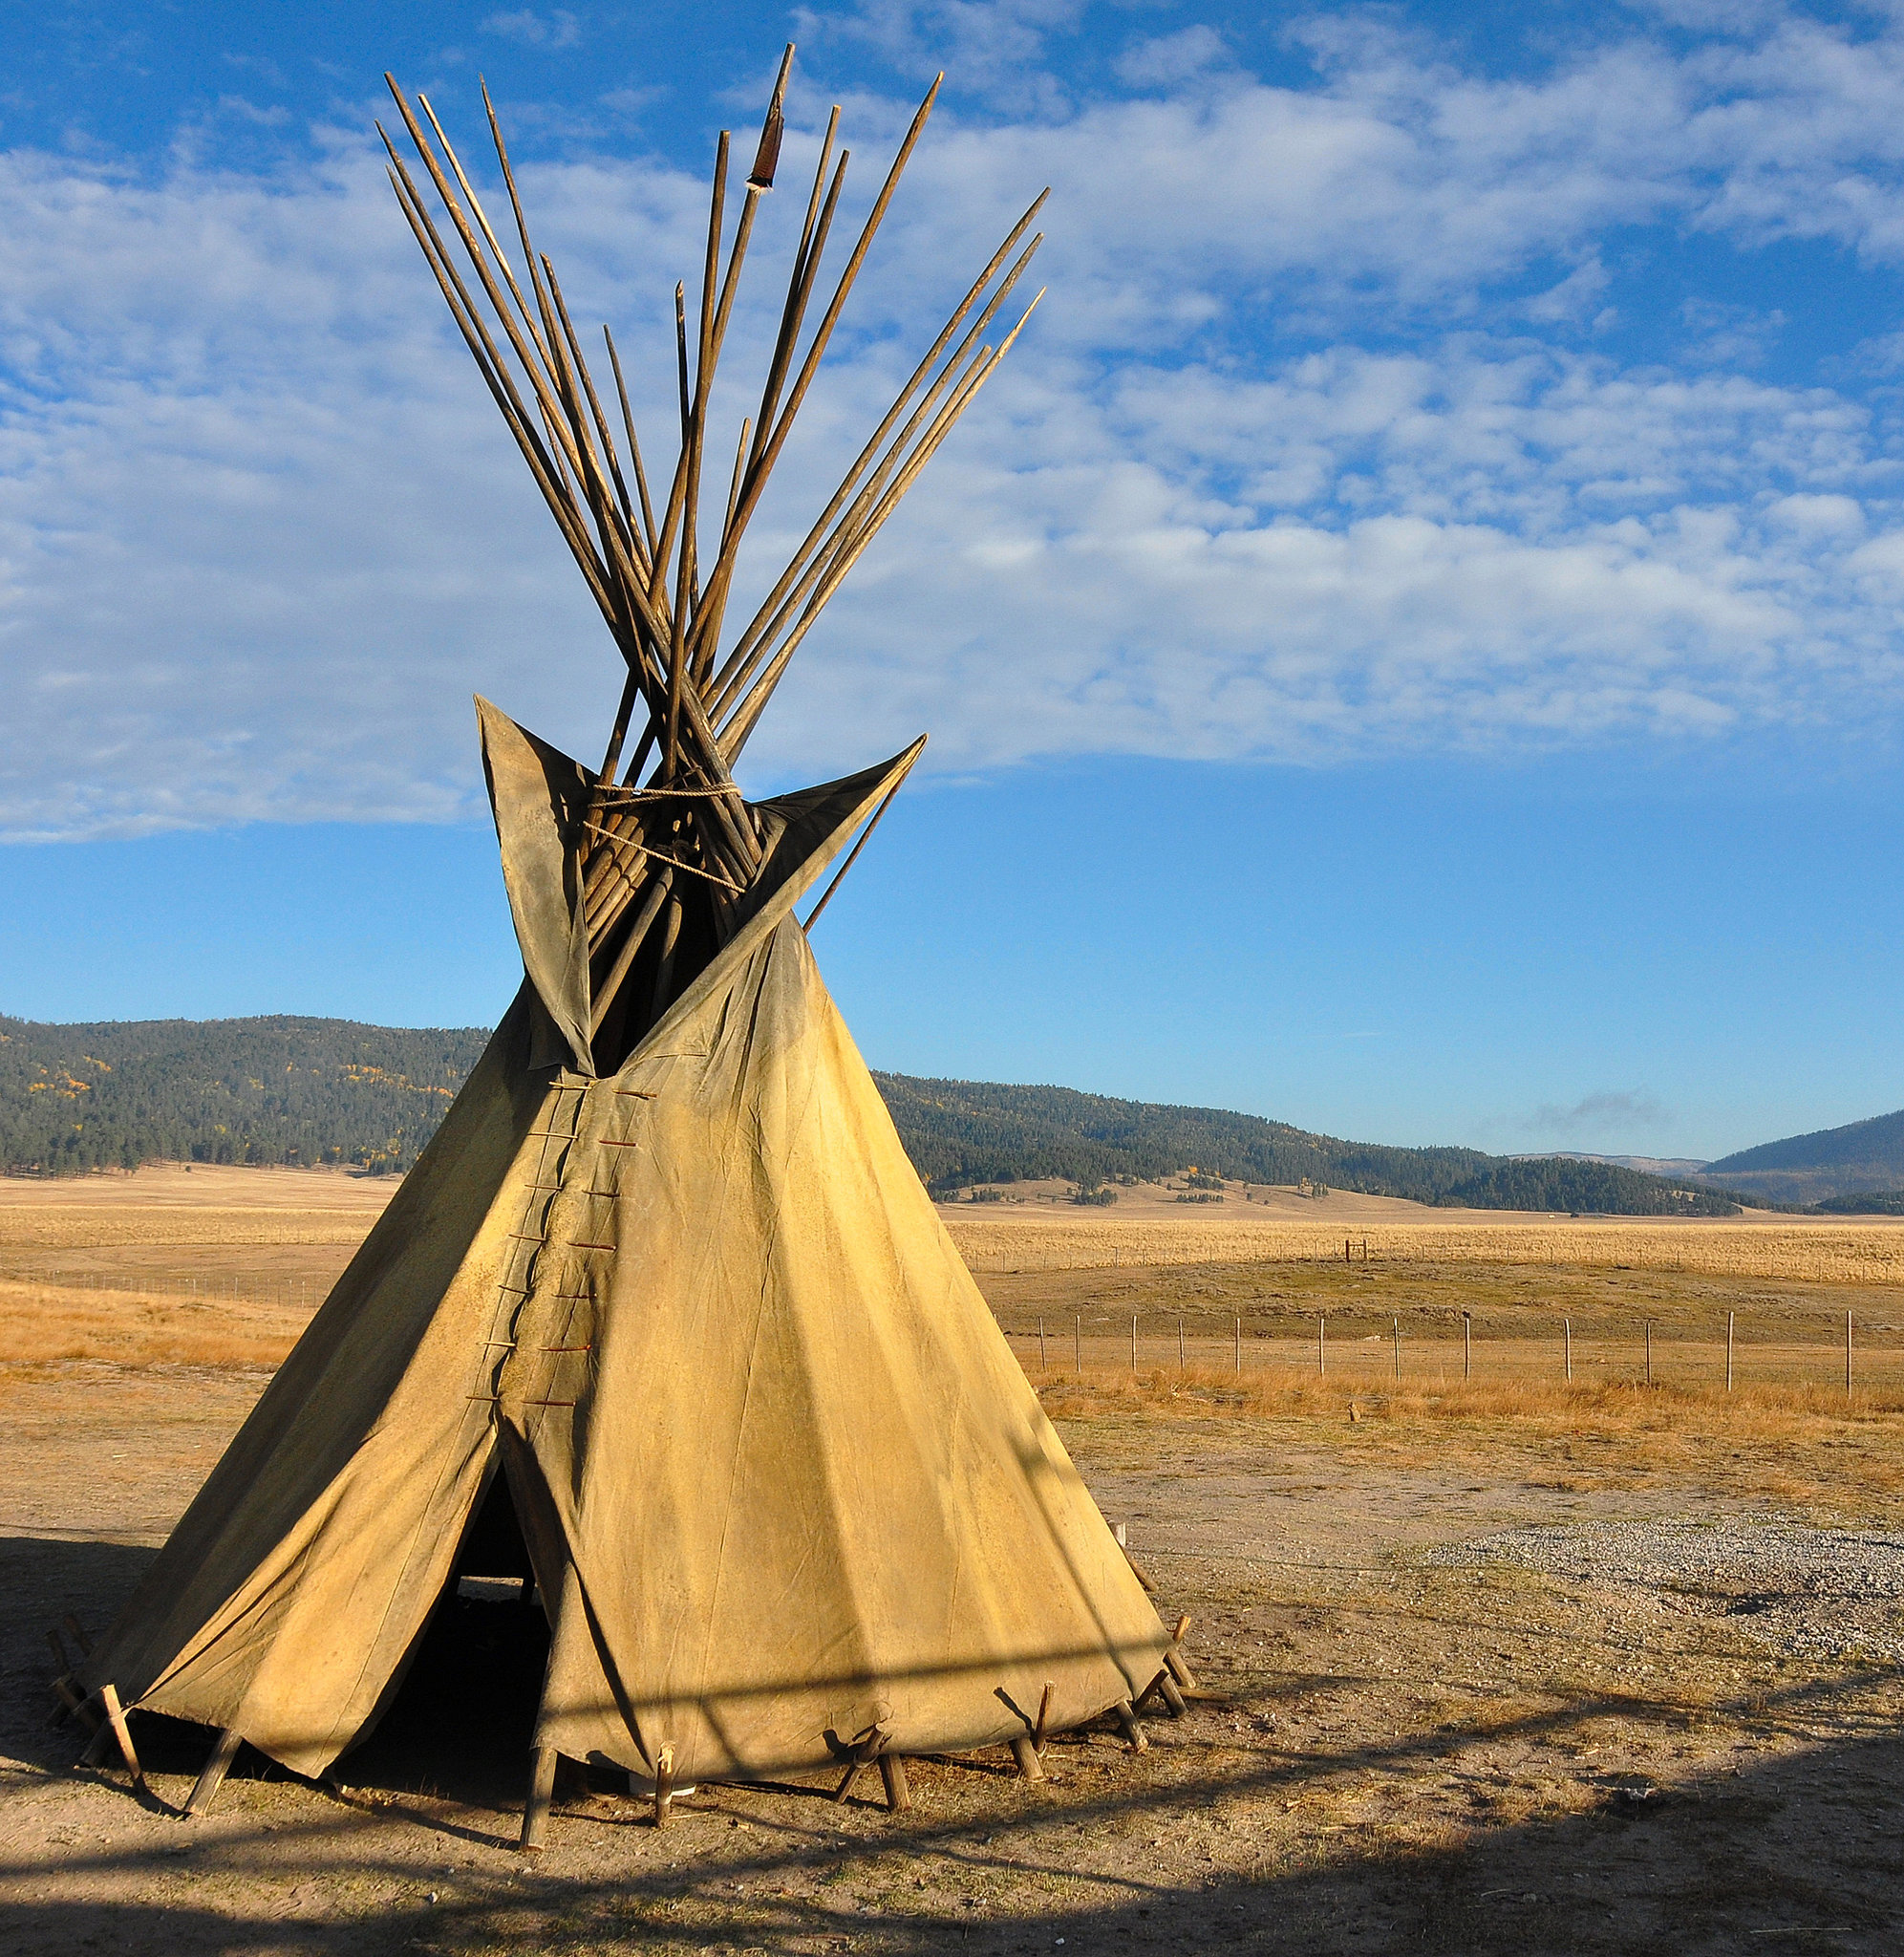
{"x": 1492, "y": 1664}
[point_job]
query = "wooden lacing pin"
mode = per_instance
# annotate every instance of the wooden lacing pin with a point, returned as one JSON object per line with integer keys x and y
{"x": 218, "y": 1764}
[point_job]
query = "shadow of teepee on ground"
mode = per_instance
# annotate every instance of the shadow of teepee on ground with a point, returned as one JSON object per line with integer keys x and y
{"x": 1801, "y": 1849}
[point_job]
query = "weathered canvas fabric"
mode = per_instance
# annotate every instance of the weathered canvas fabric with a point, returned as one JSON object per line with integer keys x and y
{"x": 781, "y": 1479}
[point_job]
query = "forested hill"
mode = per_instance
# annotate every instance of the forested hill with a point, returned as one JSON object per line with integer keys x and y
{"x": 266, "y": 1090}
{"x": 959, "y": 1132}
{"x": 311, "y": 1091}
{"x": 1861, "y": 1156}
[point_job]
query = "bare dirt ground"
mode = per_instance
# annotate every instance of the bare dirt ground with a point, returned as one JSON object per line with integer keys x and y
{"x": 1515, "y": 1668}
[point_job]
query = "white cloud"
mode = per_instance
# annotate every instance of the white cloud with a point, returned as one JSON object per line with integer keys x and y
{"x": 260, "y": 534}
{"x": 529, "y": 29}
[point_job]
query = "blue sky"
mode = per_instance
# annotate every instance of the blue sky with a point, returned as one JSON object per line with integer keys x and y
{"x": 1411, "y": 642}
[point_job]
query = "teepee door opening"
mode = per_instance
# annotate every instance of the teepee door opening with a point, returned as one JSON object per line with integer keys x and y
{"x": 462, "y": 1718}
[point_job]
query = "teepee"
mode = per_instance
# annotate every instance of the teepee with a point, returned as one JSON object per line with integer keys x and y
{"x": 663, "y": 1298}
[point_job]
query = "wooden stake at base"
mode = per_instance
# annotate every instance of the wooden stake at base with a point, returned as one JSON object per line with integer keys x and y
{"x": 664, "y": 1786}
{"x": 1174, "y": 1658}
{"x": 225, "y": 1750}
{"x": 115, "y": 1728}
{"x": 1133, "y": 1732}
{"x": 1026, "y": 1755}
{"x": 74, "y": 1703}
{"x": 535, "y": 1810}
{"x": 1043, "y": 1713}
{"x": 892, "y": 1773}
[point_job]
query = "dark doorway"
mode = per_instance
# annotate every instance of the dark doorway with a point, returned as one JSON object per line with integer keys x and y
{"x": 464, "y": 1716}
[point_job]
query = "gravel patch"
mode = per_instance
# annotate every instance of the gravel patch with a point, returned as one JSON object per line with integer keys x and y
{"x": 1815, "y": 1593}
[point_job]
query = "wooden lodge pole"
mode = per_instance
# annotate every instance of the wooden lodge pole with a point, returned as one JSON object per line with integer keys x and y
{"x": 1466, "y": 1345}
{"x": 535, "y": 1810}
{"x": 1322, "y": 1346}
{"x": 1728, "y": 1351}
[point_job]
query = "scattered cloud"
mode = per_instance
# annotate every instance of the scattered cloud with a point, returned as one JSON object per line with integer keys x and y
{"x": 1611, "y": 1114}
{"x": 529, "y": 29}
{"x": 1168, "y": 60}
{"x": 260, "y": 532}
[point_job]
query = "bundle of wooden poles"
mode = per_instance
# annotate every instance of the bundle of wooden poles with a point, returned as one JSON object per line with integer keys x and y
{"x": 665, "y": 859}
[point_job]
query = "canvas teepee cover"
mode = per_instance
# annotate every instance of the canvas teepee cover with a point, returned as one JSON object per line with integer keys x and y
{"x": 666, "y": 1268}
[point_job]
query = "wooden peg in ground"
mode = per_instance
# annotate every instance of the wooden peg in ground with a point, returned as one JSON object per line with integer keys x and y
{"x": 1133, "y": 1732}
{"x": 664, "y": 1785}
{"x": 1174, "y": 1661}
{"x": 74, "y": 1703}
{"x": 114, "y": 1727}
{"x": 225, "y": 1750}
{"x": 869, "y": 1750}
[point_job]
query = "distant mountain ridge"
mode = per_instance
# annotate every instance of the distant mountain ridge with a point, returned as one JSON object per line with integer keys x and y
{"x": 960, "y": 1132}
{"x": 1647, "y": 1165}
{"x": 288, "y": 1090}
{"x": 1861, "y": 1156}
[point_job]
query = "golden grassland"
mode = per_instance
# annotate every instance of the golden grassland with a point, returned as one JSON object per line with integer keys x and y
{"x": 25, "y": 1227}
{"x": 1809, "y": 1446}
{"x": 44, "y": 1323}
{"x": 1860, "y": 1251}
